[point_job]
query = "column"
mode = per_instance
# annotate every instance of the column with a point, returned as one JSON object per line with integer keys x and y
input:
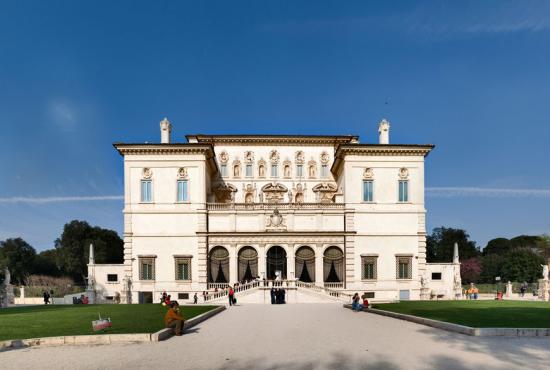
{"x": 261, "y": 260}
{"x": 319, "y": 265}
{"x": 233, "y": 272}
{"x": 290, "y": 267}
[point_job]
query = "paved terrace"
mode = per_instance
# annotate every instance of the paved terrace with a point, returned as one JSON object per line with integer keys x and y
{"x": 299, "y": 336}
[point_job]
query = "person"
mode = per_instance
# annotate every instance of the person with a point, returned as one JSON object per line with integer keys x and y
{"x": 168, "y": 300}
{"x": 272, "y": 292}
{"x": 163, "y": 299}
{"x": 174, "y": 319}
{"x": 283, "y": 296}
{"x": 204, "y": 296}
{"x": 195, "y": 298}
{"x": 46, "y": 297}
{"x": 355, "y": 305}
{"x": 523, "y": 288}
{"x": 85, "y": 300}
{"x": 473, "y": 291}
{"x": 470, "y": 291}
{"x": 365, "y": 300}
{"x": 231, "y": 295}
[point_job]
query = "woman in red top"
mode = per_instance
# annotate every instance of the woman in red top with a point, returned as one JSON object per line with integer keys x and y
{"x": 231, "y": 296}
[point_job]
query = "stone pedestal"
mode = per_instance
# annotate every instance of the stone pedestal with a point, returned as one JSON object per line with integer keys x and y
{"x": 509, "y": 290}
{"x": 544, "y": 289}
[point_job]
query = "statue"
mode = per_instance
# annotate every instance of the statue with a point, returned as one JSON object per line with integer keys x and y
{"x": 6, "y": 290}
{"x": 545, "y": 272}
{"x": 237, "y": 171}
{"x": 262, "y": 171}
{"x": 287, "y": 171}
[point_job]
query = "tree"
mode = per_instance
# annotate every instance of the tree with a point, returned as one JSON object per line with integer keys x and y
{"x": 499, "y": 246}
{"x": 18, "y": 256}
{"x": 72, "y": 248}
{"x": 45, "y": 263}
{"x": 491, "y": 267}
{"x": 522, "y": 264}
{"x": 470, "y": 270}
{"x": 440, "y": 245}
{"x": 525, "y": 241}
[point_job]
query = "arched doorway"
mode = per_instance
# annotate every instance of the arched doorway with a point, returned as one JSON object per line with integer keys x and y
{"x": 276, "y": 261}
{"x": 305, "y": 264}
{"x": 218, "y": 266}
{"x": 333, "y": 265}
{"x": 248, "y": 264}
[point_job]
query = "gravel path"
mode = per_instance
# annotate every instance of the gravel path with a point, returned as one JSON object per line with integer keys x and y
{"x": 298, "y": 336}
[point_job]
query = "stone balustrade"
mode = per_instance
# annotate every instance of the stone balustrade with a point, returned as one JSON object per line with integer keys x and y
{"x": 271, "y": 206}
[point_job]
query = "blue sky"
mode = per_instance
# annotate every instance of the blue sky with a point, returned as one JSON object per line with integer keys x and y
{"x": 470, "y": 77}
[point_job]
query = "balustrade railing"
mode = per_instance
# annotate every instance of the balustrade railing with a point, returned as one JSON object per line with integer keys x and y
{"x": 334, "y": 285}
{"x": 271, "y": 206}
{"x": 266, "y": 284}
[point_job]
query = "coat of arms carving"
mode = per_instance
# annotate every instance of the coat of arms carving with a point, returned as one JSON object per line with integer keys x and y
{"x": 275, "y": 221}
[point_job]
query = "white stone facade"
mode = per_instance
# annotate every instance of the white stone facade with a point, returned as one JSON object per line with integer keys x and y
{"x": 226, "y": 208}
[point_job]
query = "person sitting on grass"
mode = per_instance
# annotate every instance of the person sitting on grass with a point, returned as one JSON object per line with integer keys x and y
{"x": 173, "y": 318}
{"x": 355, "y": 305}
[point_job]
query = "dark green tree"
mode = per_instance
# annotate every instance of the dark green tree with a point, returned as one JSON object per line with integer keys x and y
{"x": 499, "y": 246}
{"x": 491, "y": 266}
{"x": 45, "y": 263}
{"x": 19, "y": 257}
{"x": 440, "y": 245}
{"x": 525, "y": 241}
{"x": 522, "y": 264}
{"x": 72, "y": 248}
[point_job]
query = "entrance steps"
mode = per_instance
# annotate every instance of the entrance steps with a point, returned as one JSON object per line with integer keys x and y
{"x": 295, "y": 292}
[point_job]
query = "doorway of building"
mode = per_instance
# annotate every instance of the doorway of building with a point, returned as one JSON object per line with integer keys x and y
{"x": 276, "y": 263}
{"x": 145, "y": 297}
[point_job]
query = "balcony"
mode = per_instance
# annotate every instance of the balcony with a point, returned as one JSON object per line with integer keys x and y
{"x": 271, "y": 206}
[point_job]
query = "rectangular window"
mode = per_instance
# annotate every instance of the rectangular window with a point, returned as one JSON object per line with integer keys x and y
{"x": 183, "y": 268}
{"x": 112, "y": 278}
{"x": 183, "y": 195}
{"x": 324, "y": 170}
{"x": 403, "y": 191}
{"x": 274, "y": 170}
{"x": 183, "y": 295}
{"x": 299, "y": 170}
{"x": 367, "y": 191}
{"x": 248, "y": 170}
{"x": 403, "y": 267}
{"x": 369, "y": 267}
{"x": 146, "y": 193}
{"x": 436, "y": 275}
{"x": 223, "y": 170}
{"x": 147, "y": 269}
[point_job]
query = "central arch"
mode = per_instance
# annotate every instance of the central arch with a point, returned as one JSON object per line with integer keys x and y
{"x": 248, "y": 264}
{"x": 276, "y": 261}
{"x": 305, "y": 264}
{"x": 218, "y": 266}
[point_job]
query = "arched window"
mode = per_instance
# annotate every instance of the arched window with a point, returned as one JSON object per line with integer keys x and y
{"x": 248, "y": 264}
{"x": 218, "y": 265}
{"x": 305, "y": 264}
{"x": 333, "y": 265}
{"x": 276, "y": 263}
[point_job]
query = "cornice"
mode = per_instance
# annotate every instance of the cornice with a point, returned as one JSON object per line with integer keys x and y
{"x": 126, "y": 149}
{"x": 379, "y": 150}
{"x": 274, "y": 139}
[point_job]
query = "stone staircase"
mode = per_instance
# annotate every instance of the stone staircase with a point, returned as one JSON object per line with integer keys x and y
{"x": 296, "y": 292}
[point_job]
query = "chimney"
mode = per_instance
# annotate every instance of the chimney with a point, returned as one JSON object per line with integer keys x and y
{"x": 165, "y": 129}
{"x": 384, "y": 132}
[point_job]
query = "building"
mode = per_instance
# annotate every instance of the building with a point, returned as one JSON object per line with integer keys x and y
{"x": 328, "y": 211}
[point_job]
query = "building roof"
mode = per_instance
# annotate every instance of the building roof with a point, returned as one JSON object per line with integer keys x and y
{"x": 274, "y": 139}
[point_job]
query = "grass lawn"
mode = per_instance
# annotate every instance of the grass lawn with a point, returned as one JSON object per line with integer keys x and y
{"x": 478, "y": 314}
{"x": 58, "y": 320}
